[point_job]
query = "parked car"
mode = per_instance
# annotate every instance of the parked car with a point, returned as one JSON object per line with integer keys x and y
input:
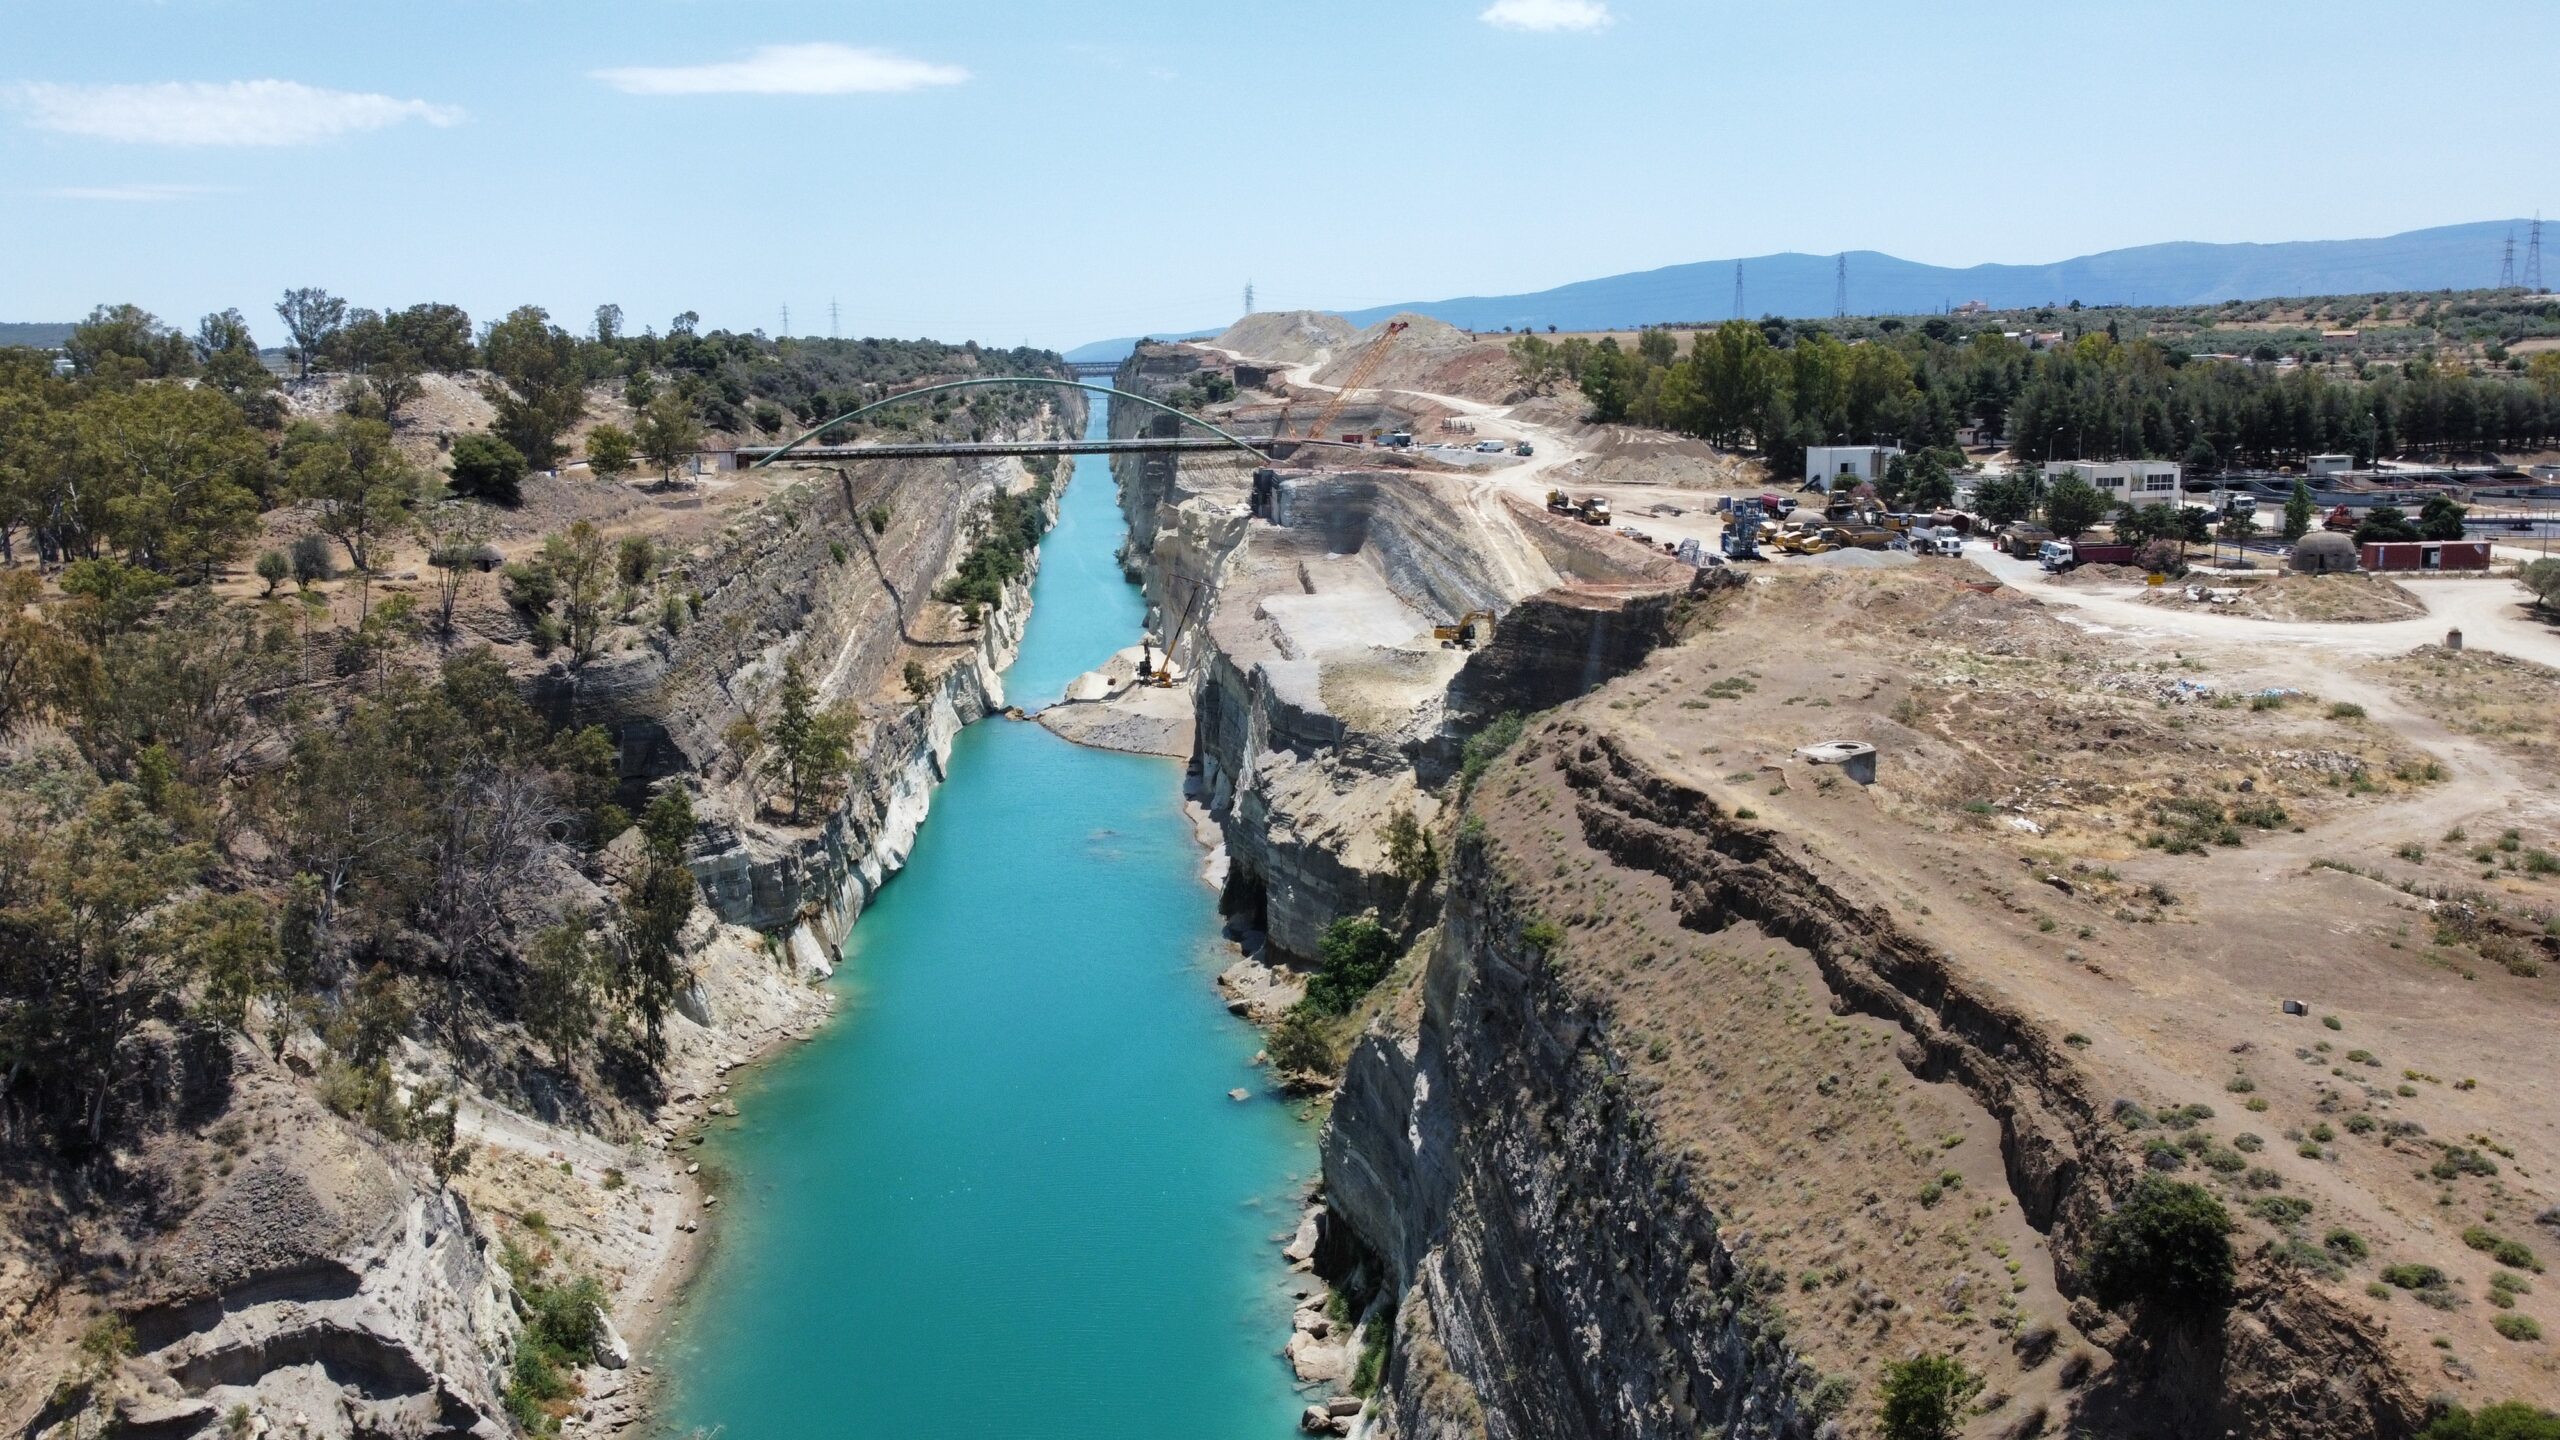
{"x": 1488, "y": 447}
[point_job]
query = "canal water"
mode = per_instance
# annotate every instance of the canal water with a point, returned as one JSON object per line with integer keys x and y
{"x": 1005, "y": 1195}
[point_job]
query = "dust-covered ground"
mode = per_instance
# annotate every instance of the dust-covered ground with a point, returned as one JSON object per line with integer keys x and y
{"x": 2101, "y": 866}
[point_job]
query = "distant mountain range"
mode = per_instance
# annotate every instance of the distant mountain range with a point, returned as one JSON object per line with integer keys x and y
{"x": 2447, "y": 257}
{"x": 42, "y": 336}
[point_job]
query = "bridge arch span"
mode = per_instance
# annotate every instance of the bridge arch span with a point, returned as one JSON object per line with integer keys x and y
{"x": 985, "y": 380}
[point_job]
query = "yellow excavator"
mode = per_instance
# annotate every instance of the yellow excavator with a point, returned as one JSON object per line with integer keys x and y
{"x": 1473, "y": 629}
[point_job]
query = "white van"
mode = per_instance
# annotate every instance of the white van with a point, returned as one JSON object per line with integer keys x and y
{"x": 2054, "y": 555}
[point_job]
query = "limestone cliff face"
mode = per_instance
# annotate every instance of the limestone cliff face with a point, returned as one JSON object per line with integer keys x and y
{"x": 321, "y": 1273}
{"x": 1570, "y": 1268}
{"x": 1559, "y": 1278}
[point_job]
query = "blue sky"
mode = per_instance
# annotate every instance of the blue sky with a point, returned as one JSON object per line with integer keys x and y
{"x": 1060, "y": 172}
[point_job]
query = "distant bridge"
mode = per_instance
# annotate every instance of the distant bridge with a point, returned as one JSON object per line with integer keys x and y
{"x": 752, "y": 455}
{"x": 1093, "y": 367}
{"x": 796, "y": 448}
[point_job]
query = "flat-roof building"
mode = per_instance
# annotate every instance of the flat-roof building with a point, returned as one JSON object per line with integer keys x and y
{"x": 2129, "y": 482}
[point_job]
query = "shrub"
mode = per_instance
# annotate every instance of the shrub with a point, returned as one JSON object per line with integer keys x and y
{"x": 2346, "y": 1243}
{"x": 2346, "y": 710}
{"x": 312, "y": 560}
{"x": 1486, "y": 746}
{"x": 1925, "y": 1397}
{"x": 2517, "y": 1328}
{"x": 1298, "y": 1045}
{"x": 2410, "y": 1275}
{"x": 1356, "y": 952}
{"x": 2280, "y": 1209}
{"x": 2168, "y": 1246}
{"x": 274, "y": 568}
{"x": 635, "y": 558}
{"x": 1377, "y": 1340}
{"x": 488, "y": 468}
{"x": 2513, "y": 1253}
{"x": 1410, "y": 853}
{"x": 2511, "y": 1420}
{"x": 1544, "y": 936}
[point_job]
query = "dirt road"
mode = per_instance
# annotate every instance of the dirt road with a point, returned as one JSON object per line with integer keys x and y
{"x": 2489, "y": 613}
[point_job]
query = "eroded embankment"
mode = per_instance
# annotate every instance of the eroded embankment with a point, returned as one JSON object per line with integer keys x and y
{"x": 1683, "y": 1140}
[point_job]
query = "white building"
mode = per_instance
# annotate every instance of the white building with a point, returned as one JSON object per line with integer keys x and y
{"x": 2128, "y": 482}
{"x": 2326, "y": 465}
{"x": 1845, "y": 467}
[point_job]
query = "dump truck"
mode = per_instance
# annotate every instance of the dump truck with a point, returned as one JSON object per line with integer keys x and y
{"x": 2022, "y": 540}
{"x": 2060, "y": 555}
{"x": 1595, "y": 510}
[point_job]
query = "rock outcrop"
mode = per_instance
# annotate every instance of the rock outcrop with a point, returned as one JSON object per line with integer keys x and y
{"x": 322, "y": 1276}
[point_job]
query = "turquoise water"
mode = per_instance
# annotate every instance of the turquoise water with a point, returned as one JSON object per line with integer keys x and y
{"x": 1005, "y": 1193}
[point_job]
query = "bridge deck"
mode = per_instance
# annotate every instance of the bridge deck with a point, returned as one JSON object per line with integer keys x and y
{"x": 751, "y": 454}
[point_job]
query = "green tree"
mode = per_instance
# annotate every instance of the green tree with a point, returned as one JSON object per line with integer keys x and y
{"x": 805, "y": 749}
{"x": 610, "y": 451}
{"x": 1300, "y": 1046}
{"x": 2073, "y": 505}
{"x": 311, "y": 316}
{"x": 108, "y": 597}
{"x": 1925, "y": 1397}
{"x": 2237, "y": 529}
{"x": 456, "y": 536}
{"x": 178, "y": 470}
{"x": 1356, "y": 952}
{"x": 2542, "y": 577}
{"x": 1918, "y": 481}
{"x": 656, "y": 902}
{"x": 538, "y": 383}
{"x": 274, "y": 568}
{"x": 227, "y": 360}
{"x": 2385, "y": 523}
{"x": 667, "y": 432}
{"x": 1410, "y": 853}
{"x": 389, "y": 384}
{"x": 2167, "y": 1246}
{"x": 90, "y": 942}
{"x": 2298, "y": 511}
{"x": 2441, "y": 519}
{"x": 2003, "y": 498}
{"x": 565, "y": 980}
{"x": 581, "y": 571}
{"x": 133, "y": 336}
{"x": 488, "y": 468}
{"x": 357, "y": 483}
{"x": 1538, "y": 363}
{"x": 437, "y": 337}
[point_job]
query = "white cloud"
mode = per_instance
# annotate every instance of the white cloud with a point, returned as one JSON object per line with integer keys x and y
{"x": 237, "y": 112}
{"x": 133, "y": 194}
{"x": 818, "y": 69}
{"x": 1547, "y": 15}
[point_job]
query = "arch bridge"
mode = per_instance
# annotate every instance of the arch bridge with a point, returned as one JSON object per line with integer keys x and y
{"x": 801, "y": 448}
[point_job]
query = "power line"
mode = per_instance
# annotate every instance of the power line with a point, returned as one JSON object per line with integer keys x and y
{"x": 1248, "y": 297}
{"x": 1840, "y": 286}
{"x": 2507, "y": 263}
{"x": 831, "y": 320}
{"x": 786, "y": 324}
{"x": 2533, "y": 255}
{"x": 1737, "y": 289}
